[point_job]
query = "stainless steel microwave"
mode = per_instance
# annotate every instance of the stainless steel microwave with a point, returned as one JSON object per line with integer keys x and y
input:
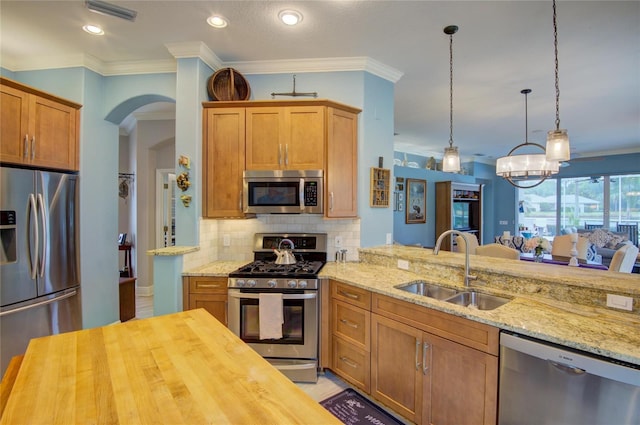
{"x": 283, "y": 191}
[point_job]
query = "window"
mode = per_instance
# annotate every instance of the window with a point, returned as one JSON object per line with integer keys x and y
{"x": 594, "y": 201}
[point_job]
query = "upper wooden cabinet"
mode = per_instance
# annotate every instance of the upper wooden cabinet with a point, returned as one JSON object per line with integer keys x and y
{"x": 341, "y": 172}
{"x": 285, "y": 138}
{"x": 223, "y": 154}
{"x": 38, "y": 129}
{"x": 279, "y": 135}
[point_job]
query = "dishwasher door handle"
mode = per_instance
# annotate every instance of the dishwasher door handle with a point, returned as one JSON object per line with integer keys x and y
{"x": 568, "y": 369}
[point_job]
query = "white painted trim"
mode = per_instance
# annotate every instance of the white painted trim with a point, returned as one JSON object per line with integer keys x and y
{"x": 285, "y": 66}
{"x": 200, "y": 50}
{"x": 144, "y": 291}
{"x": 195, "y": 49}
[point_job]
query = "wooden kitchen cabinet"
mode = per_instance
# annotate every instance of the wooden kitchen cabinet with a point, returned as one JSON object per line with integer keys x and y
{"x": 208, "y": 292}
{"x": 285, "y": 138}
{"x": 341, "y": 174}
{"x": 223, "y": 155}
{"x": 351, "y": 332}
{"x": 432, "y": 367}
{"x": 37, "y": 128}
{"x": 275, "y": 135}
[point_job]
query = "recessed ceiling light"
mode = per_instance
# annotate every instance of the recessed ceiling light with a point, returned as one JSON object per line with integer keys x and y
{"x": 93, "y": 29}
{"x": 217, "y": 21}
{"x": 290, "y": 17}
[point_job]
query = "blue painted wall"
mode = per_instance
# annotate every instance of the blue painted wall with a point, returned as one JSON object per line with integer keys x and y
{"x": 421, "y": 233}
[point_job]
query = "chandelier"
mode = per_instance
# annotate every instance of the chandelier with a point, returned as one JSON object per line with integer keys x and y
{"x": 523, "y": 168}
{"x": 451, "y": 160}
{"x": 558, "y": 148}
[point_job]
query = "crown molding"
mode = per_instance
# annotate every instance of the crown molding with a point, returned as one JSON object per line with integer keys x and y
{"x": 90, "y": 62}
{"x": 200, "y": 50}
{"x": 195, "y": 49}
{"x": 285, "y": 66}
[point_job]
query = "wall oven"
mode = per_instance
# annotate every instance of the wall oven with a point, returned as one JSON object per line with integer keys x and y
{"x": 295, "y": 352}
{"x": 283, "y": 191}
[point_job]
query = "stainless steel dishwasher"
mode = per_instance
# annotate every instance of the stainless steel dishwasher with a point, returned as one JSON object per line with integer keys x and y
{"x": 542, "y": 383}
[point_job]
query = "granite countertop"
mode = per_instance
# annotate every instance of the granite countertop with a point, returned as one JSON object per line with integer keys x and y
{"x": 591, "y": 329}
{"x": 173, "y": 250}
{"x": 217, "y": 268}
{"x": 543, "y": 297}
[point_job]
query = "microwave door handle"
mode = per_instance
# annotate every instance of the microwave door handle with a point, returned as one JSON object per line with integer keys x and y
{"x": 301, "y": 194}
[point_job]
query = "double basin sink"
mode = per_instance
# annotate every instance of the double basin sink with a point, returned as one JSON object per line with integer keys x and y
{"x": 471, "y": 299}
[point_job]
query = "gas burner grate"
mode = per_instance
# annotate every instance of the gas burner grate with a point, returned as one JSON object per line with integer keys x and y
{"x": 267, "y": 267}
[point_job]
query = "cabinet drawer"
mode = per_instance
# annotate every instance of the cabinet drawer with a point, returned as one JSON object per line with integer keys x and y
{"x": 352, "y": 363}
{"x": 352, "y": 323}
{"x": 207, "y": 285}
{"x": 352, "y": 295}
{"x": 458, "y": 329}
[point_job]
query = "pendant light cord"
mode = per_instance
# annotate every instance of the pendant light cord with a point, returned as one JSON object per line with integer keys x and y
{"x": 555, "y": 45}
{"x": 450, "y": 90}
{"x": 526, "y": 115}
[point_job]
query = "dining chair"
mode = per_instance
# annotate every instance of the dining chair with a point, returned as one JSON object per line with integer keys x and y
{"x": 588, "y": 226}
{"x": 498, "y": 250}
{"x": 473, "y": 243}
{"x": 562, "y": 246}
{"x": 624, "y": 259}
{"x": 631, "y": 229}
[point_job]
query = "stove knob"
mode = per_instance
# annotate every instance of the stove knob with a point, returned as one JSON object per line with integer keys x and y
{"x": 251, "y": 283}
{"x": 302, "y": 284}
{"x": 292, "y": 284}
{"x": 240, "y": 282}
{"x": 272, "y": 283}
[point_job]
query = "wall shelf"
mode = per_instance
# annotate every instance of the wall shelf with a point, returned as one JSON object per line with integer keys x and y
{"x": 379, "y": 194}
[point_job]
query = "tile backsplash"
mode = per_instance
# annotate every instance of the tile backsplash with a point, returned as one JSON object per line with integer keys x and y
{"x": 240, "y": 234}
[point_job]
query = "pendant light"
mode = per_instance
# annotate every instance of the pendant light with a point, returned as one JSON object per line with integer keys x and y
{"x": 558, "y": 148}
{"x": 451, "y": 160}
{"x": 518, "y": 169}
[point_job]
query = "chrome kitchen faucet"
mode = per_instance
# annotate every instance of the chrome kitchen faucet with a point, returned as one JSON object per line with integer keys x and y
{"x": 467, "y": 276}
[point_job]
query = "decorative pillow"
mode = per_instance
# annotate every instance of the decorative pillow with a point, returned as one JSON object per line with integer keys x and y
{"x": 600, "y": 237}
{"x": 623, "y": 243}
{"x": 615, "y": 240}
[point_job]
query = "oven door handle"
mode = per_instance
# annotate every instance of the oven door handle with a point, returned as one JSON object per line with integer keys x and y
{"x": 306, "y": 296}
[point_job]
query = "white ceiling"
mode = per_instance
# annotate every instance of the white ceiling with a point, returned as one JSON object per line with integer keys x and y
{"x": 501, "y": 48}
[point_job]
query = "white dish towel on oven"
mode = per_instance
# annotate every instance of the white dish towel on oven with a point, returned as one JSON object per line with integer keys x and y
{"x": 271, "y": 316}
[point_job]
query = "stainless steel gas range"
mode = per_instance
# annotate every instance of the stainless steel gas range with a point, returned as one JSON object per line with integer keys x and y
{"x": 289, "y": 294}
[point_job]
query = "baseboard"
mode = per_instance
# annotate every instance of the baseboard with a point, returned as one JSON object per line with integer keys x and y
{"x": 144, "y": 291}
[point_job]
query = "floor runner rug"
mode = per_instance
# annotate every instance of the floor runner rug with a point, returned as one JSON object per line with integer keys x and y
{"x": 352, "y": 408}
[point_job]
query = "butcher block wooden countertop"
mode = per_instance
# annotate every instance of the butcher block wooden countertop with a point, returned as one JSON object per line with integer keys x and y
{"x": 182, "y": 368}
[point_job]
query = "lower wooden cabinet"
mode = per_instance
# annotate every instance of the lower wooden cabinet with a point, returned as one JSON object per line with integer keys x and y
{"x": 432, "y": 379}
{"x": 208, "y": 292}
{"x": 351, "y": 334}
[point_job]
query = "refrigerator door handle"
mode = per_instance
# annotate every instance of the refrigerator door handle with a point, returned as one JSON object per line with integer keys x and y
{"x": 43, "y": 256}
{"x": 57, "y": 298}
{"x": 32, "y": 251}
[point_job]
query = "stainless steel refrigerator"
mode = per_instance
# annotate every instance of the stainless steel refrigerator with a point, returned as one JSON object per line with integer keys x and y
{"x": 39, "y": 257}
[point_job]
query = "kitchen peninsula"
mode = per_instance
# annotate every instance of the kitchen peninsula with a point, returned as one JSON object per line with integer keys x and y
{"x": 178, "y": 368}
{"x": 559, "y": 304}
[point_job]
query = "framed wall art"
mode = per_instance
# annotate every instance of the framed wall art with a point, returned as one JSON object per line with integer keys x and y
{"x": 416, "y": 201}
